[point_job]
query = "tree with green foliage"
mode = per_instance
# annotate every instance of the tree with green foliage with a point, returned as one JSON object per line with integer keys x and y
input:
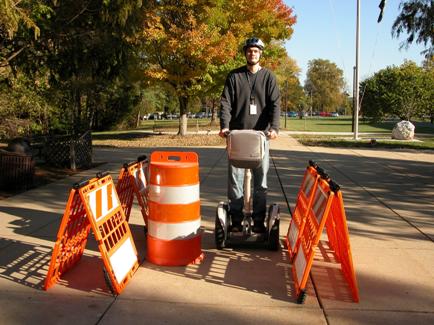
{"x": 15, "y": 15}
{"x": 325, "y": 85}
{"x": 13, "y": 12}
{"x": 92, "y": 61}
{"x": 416, "y": 19}
{"x": 82, "y": 58}
{"x": 428, "y": 107}
{"x": 185, "y": 42}
{"x": 287, "y": 73}
{"x": 404, "y": 91}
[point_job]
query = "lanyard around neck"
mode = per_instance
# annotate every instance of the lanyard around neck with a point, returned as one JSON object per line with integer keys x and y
{"x": 252, "y": 86}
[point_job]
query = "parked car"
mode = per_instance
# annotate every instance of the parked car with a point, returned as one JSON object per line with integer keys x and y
{"x": 334, "y": 114}
{"x": 200, "y": 115}
{"x": 292, "y": 114}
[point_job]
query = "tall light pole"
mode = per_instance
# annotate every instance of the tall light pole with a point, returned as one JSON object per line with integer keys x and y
{"x": 356, "y": 77}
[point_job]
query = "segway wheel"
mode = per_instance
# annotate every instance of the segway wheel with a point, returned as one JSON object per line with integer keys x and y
{"x": 273, "y": 239}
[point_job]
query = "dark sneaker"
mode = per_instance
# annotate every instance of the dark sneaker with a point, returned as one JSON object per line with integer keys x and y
{"x": 236, "y": 220}
{"x": 258, "y": 227}
{"x": 236, "y": 227}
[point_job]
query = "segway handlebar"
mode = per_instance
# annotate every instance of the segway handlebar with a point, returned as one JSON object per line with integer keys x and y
{"x": 266, "y": 133}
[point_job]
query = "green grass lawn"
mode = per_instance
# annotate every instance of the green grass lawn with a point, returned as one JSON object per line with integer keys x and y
{"x": 423, "y": 143}
{"x": 344, "y": 124}
{"x": 381, "y": 132}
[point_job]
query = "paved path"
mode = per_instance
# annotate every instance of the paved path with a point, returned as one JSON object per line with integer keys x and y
{"x": 390, "y": 210}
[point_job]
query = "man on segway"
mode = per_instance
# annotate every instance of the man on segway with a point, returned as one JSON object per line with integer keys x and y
{"x": 250, "y": 101}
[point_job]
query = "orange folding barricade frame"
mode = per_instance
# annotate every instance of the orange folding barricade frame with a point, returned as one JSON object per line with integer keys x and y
{"x": 94, "y": 204}
{"x": 303, "y": 204}
{"x": 326, "y": 210}
{"x": 315, "y": 219}
{"x": 133, "y": 180}
{"x": 339, "y": 239}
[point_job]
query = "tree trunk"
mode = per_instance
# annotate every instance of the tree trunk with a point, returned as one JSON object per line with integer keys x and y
{"x": 138, "y": 120}
{"x": 183, "y": 101}
{"x": 76, "y": 110}
{"x": 213, "y": 112}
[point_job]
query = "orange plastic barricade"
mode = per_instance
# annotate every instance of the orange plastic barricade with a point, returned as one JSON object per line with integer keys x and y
{"x": 339, "y": 240}
{"x": 94, "y": 204}
{"x": 315, "y": 219}
{"x": 326, "y": 208}
{"x": 303, "y": 204}
{"x": 133, "y": 180}
{"x": 174, "y": 209}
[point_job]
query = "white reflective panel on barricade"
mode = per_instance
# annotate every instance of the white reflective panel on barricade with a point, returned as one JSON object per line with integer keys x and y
{"x": 320, "y": 204}
{"x": 300, "y": 265}
{"x": 102, "y": 201}
{"x": 293, "y": 235}
{"x": 123, "y": 260}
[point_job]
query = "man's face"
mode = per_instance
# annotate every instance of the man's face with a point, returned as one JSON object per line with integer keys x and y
{"x": 253, "y": 54}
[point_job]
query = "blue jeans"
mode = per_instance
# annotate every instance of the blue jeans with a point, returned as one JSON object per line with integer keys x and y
{"x": 236, "y": 189}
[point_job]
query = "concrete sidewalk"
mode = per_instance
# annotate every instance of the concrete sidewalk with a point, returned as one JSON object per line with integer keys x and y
{"x": 389, "y": 204}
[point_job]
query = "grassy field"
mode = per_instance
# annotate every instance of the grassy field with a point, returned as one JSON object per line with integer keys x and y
{"x": 315, "y": 124}
{"x": 423, "y": 143}
{"x": 344, "y": 124}
{"x": 370, "y": 134}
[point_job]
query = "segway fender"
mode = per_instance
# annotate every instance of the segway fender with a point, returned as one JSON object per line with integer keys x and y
{"x": 273, "y": 215}
{"x": 273, "y": 227}
{"x": 221, "y": 225}
{"x": 222, "y": 215}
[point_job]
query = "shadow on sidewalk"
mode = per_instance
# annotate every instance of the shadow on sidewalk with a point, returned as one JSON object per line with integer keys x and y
{"x": 27, "y": 264}
{"x": 245, "y": 268}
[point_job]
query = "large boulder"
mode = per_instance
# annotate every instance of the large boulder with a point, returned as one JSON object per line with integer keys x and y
{"x": 403, "y": 130}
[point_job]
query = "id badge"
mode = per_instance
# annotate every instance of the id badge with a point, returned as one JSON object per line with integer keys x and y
{"x": 253, "y": 109}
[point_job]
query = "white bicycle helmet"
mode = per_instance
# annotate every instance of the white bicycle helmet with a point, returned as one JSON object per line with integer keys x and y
{"x": 253, "y": 42}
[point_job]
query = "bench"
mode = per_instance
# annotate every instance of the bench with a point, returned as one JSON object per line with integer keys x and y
{"x": 16, "y": 170}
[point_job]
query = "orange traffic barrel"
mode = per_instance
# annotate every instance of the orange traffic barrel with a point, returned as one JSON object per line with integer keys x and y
{"x": 174, "y": 209}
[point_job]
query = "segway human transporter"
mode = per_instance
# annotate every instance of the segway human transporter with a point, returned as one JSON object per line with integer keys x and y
{"x": 246, "y": 149}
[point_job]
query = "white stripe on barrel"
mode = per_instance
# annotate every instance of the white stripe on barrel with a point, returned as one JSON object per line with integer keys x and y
{"x": 174, "y": 231}
{"x": 174, "y": 194}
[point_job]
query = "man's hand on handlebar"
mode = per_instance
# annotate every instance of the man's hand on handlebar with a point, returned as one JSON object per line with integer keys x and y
{"x": 223, "y": 133}
{"x": 272, "y": 134}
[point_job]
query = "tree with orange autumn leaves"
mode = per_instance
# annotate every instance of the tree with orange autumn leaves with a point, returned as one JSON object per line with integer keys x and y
{"x": 193, "y": 44}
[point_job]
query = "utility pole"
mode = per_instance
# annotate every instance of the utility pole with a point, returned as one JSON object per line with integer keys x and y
{"x": 354, "y": 100}
{"x": 356, "y": 77}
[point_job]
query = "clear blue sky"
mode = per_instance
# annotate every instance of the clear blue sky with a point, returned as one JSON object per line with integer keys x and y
{"x": 326, "y": 29}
